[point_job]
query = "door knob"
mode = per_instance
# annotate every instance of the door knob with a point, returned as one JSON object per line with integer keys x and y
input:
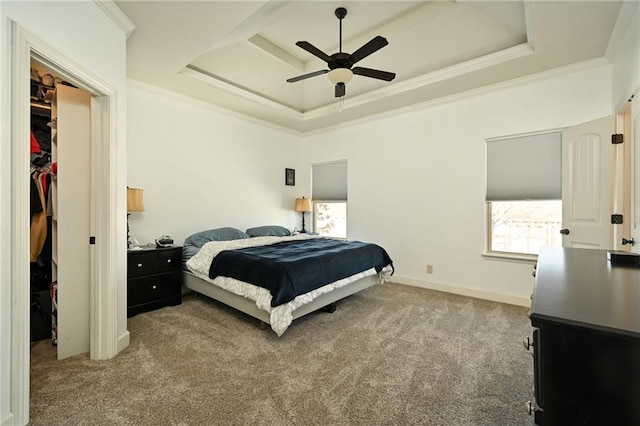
{"x": 564, "y": 231}
{"x": 629, "y": 241}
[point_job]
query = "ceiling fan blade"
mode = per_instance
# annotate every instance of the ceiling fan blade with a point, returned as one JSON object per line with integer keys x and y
{"x": 340, "y": 90}
{"x": 380, "y": 75}
{"x": 304, "y": 76}
{"x": 375, "y": 44}
{"x": 314, "y": 50}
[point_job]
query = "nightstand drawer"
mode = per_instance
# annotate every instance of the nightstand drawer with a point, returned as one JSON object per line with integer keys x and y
{"x": 154, "y": 278}
{"x": 153, "y": 288}
{"x": 168, "y": 260}
{"x": 141, "y": 263}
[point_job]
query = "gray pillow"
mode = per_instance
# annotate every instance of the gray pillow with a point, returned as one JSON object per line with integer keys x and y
{"x": 219, "y": 234}
{"x": 268, "y": 231}
{"x": 188, "y": 252}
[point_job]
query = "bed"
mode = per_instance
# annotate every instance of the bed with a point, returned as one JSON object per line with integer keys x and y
{"x": 241, "y": 269}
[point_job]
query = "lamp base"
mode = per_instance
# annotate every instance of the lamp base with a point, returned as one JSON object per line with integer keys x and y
{"x": 129, "y": 243}
{"x": 303, "y": 231}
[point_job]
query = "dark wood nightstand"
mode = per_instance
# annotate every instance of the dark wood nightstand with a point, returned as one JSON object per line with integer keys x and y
{"x": 154, "y": 279}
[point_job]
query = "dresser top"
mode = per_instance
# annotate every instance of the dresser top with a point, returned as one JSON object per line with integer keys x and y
{"x": 581, "y": 287}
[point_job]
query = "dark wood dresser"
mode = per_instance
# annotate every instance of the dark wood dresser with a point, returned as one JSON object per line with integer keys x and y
{"x": 154, "y": 279}
{"x": 586, "y": 340}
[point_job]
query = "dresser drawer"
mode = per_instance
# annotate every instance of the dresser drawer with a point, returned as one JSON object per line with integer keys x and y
{"x": 153, "y": 288}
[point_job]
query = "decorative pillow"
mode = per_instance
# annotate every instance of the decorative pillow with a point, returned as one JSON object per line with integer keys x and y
{"x": 268, "y": 231}
{"x": 219, "y": 234}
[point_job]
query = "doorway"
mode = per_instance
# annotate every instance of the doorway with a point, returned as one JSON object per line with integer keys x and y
{"x": 103, "y": 288}
{"x": 60, "y": 171}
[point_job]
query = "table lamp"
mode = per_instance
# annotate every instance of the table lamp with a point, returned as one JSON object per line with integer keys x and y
{"x": 303, "y": 205}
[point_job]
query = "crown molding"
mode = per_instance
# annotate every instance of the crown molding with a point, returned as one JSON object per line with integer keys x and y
{"x": 469, "y": 94}
{"x": 212, "y": 80}
{"x": 528, "y": 22}
{"x": 267, "y": 47}
{"x": 625, "y": 16}
{"x": 426, "y": 79}
{"x": 179, "y": 97}
{"x": 476, "y": 64}
{"x": 117, "y": 15}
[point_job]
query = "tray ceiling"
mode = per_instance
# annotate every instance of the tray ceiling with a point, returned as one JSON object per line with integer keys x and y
{"x": 238, "y": 55}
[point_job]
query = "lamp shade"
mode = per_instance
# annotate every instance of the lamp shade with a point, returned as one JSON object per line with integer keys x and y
{"x": 134, "y": 200}
{"x": 340, "y": 75}
{"x": 303, "y": 205}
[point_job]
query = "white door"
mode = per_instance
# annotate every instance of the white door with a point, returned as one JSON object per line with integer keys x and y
{"x": 635, "y": 180}
{"x": 587, "y": 184}
{"x": 71, "y": 227}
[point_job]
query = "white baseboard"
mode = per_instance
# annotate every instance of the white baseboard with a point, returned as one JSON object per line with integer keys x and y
{"x": 123, "y": 341}
{"x": 465, "y": 291}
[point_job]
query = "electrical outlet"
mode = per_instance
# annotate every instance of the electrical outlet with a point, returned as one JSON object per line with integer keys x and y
{"x": 429, "y": 269}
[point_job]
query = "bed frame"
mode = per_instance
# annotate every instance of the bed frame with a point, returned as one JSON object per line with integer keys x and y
{"x": 249, "y": 307}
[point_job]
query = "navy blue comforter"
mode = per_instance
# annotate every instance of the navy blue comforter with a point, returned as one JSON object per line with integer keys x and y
{"x": 292, "y": 268}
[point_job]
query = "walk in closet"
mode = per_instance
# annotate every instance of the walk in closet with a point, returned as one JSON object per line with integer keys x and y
{"x": 60, "y": 212}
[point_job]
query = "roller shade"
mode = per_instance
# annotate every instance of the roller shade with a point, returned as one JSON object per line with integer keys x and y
{"x": 525, "y": 168}
{"x": 329, "y": 181}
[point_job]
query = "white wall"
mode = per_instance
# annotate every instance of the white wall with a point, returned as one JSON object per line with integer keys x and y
{"x": 416, "y": 181}
{"x": 83, "y": 33}
{"x": 202, "y": 169}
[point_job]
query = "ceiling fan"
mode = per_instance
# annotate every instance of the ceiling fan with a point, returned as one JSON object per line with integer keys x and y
{"x": 340, "y": 64}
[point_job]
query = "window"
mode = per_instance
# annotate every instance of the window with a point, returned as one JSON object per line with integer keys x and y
{"x": 524, "y": 193}
{"x": 525, "y": 226}
{"x": 330, "y": 218}
{"x": 329, "y": 194}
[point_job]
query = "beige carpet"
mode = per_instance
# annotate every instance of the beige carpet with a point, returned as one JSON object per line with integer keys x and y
{"x": 392, "y": 355}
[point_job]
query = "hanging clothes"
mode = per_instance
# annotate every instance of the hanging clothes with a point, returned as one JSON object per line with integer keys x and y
{"x": 34, "y": 203}
{"x": 35, "y": 146}
{"x": 38, "y": 232}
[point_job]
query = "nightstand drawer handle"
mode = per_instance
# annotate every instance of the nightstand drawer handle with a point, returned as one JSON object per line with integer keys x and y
{"x": 153, "y": 287}
{"x": 139, "y": 265}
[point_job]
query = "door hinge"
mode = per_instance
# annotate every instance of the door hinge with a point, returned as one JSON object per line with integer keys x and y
{"x": 616, "y": 219}
{"x": 92, "y": 240}
{"x": 617, "y": 138}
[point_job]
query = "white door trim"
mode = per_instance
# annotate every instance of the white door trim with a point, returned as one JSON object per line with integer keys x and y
{"x": 20, "y": 294}
{"x": 103, "y": 285}
{"x": 634, "y": 216}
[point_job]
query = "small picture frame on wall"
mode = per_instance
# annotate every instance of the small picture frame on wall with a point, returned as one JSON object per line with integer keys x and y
{"x": 290, "y": 177}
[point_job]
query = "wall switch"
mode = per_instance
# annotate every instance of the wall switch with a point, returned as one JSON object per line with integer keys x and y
{"x": 429, "y": 269}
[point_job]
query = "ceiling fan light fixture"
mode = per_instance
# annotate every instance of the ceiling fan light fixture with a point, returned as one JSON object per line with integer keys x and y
{"x": 340, "y": 75}
{"x": 340, "y": 63}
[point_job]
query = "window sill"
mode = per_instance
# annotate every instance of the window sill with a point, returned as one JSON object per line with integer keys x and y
{"x": 511, "y": 257}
